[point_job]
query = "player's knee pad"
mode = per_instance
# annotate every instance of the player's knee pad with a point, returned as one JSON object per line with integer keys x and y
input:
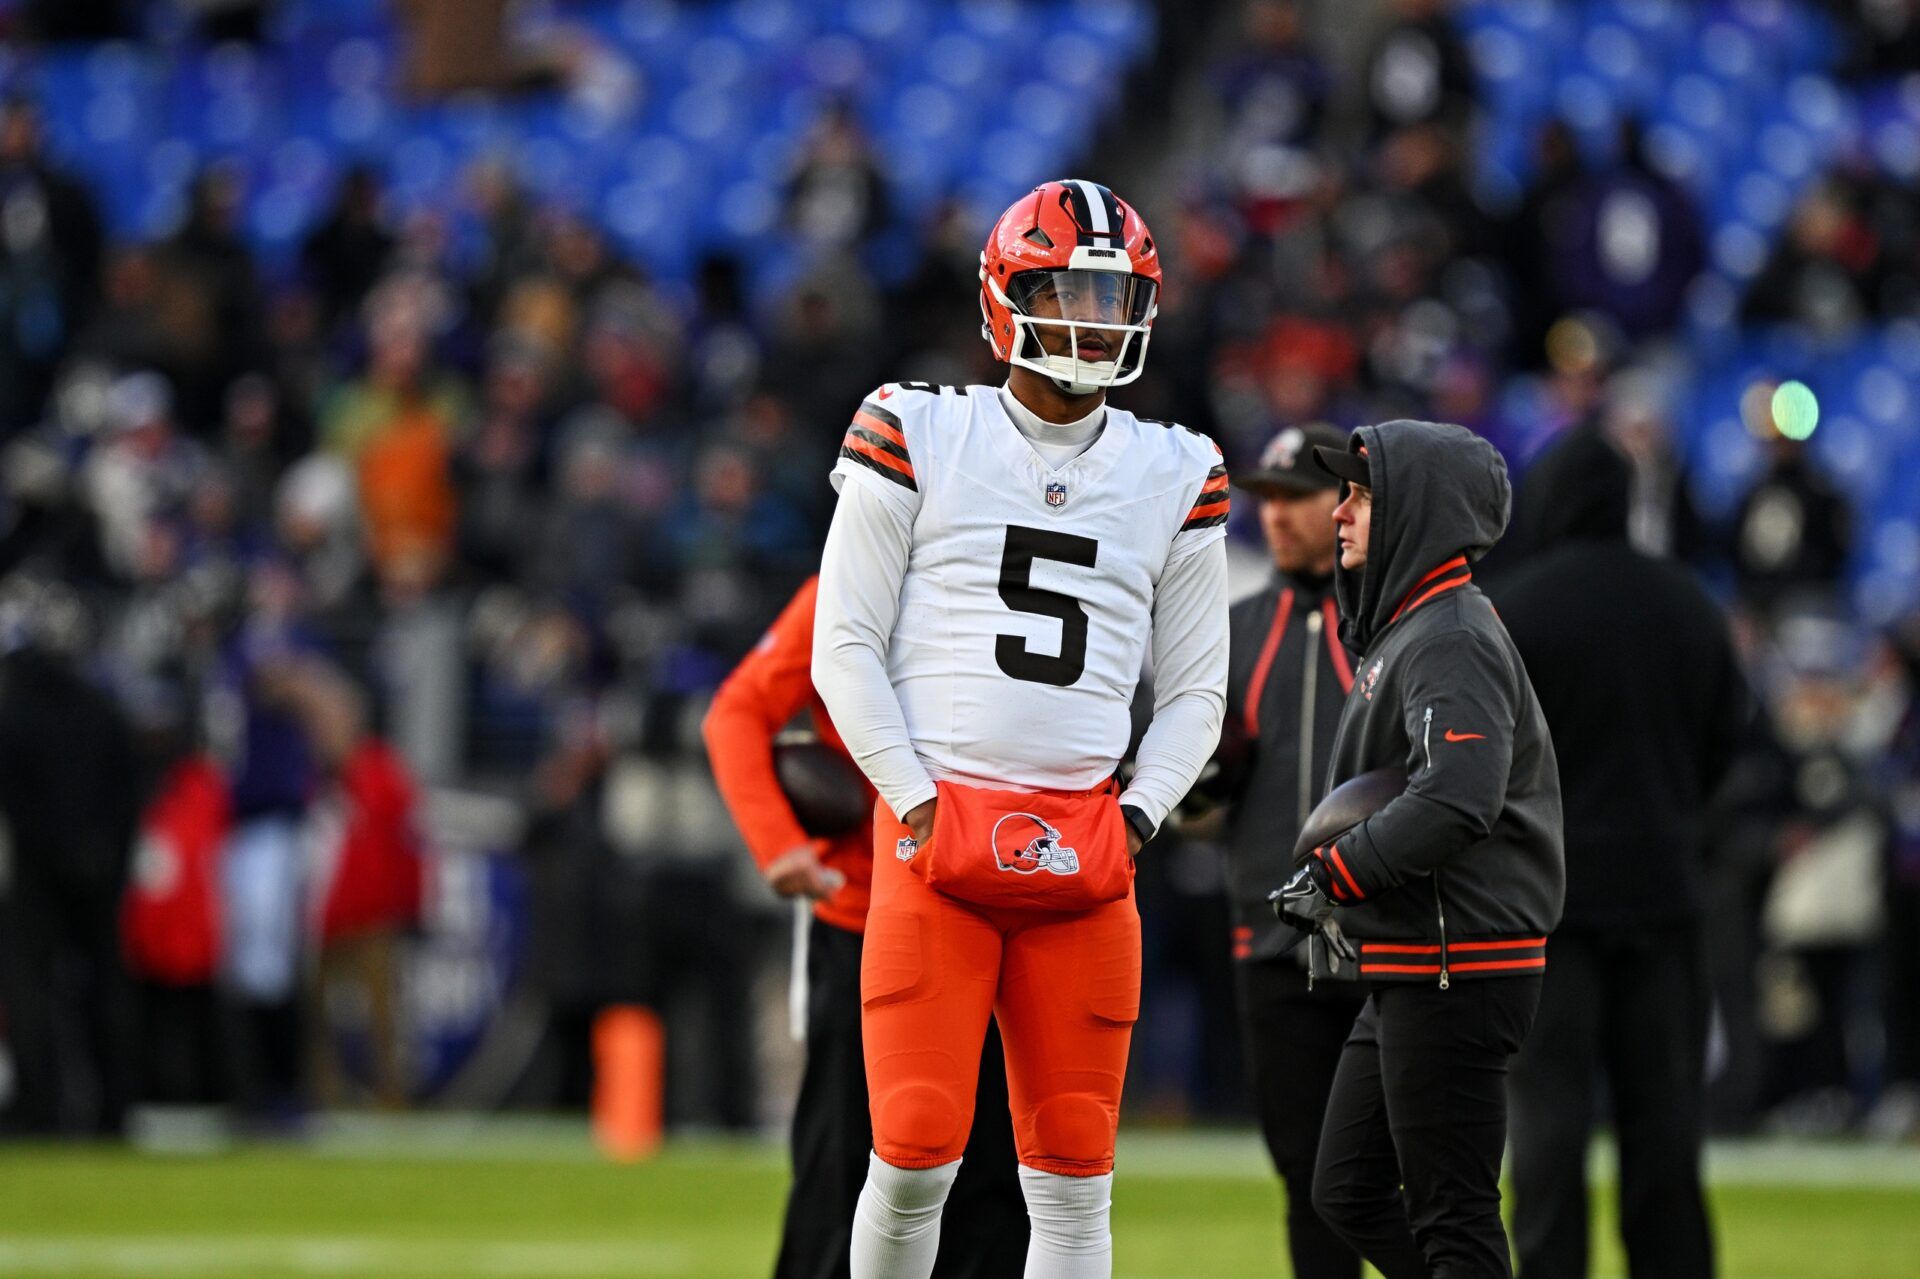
{"x": 1072, "y": 1214}
{"x": 920, "y": 1124}
{"x": 1072, "y": 1133}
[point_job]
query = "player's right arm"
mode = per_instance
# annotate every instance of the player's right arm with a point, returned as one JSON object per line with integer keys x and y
{"x": 861, "y": 572}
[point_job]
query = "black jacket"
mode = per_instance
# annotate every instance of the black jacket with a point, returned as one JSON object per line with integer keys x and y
{"x": 1636, "y": 675}
{"x": 1286, "y": 682}
{"x": 1462, "y": 875}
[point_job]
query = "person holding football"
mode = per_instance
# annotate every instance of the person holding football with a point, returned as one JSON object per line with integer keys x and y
{"x": 1445, "y": 895}
{"x": 772, "y": 686}
{"x": 1000, "y": 560}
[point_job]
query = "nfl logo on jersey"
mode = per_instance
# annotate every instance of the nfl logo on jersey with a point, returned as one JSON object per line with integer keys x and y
{"x": 1056, "y": 494}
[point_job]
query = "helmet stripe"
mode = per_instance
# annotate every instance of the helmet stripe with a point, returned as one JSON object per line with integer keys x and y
{"x": 1097, "y": 214}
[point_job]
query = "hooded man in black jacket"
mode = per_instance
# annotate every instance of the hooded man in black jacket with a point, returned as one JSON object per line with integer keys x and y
{"x": 1445, "y": 896}
{"x": 1286, "y": 683}
{"x": 1637, "y": 678}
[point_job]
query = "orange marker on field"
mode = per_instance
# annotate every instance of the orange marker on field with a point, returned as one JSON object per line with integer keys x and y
{"x": 629, "y": 1085}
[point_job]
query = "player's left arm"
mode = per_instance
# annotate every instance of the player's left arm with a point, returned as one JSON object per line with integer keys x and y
{"x": 1189, "y": 671}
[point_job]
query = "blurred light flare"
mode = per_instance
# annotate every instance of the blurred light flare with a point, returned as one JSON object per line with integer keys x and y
{"x": 1795, "y": 410}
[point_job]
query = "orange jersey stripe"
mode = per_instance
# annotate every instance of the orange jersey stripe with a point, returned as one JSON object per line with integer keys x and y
{"x": 880, "y": 428}
{"x": 879, "y": 455}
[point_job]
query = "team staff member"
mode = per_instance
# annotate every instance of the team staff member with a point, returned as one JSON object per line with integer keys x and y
{"x": 1446, "y": 895}
{"x": 831, "y": 1129}
{"x": 1286, "y": 683}
{"x": 1639, "y": 683}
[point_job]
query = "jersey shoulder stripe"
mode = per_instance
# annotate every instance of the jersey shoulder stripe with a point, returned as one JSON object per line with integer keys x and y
{"x": 1213, "y": 503}
{"x": 878, "y": 441}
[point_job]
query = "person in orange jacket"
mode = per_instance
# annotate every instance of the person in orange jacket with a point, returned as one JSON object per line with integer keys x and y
{"x": 986, "y": 1227}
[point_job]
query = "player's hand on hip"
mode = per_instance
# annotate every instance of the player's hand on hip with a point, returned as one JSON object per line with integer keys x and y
{"x": 1134, "y": 842}
{"x": 799, "y": 873}
{"x": 919, "y": 822}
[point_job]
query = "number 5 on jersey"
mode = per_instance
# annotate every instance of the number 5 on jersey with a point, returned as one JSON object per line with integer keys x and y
{"x": 1023, "y": 546}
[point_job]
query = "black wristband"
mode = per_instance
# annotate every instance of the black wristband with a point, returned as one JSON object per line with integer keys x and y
{"x": 1139, "y": 821}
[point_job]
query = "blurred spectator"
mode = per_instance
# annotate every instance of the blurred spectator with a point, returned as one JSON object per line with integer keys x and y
{"x": 140, "y": 476}
{"x": 1821, "y": 271}
{"x": 1645, "y": 702}
{"x": 258, "y": 440}
{"x": 1836, "y": 699}
{"x": 723, "y": 349}
{"x": 345, "y": 255}
{"x": 1536, "y": 235}
{"x": 397, "y": 427}
{"x": 588, "y": 541}
{"x": 170, "y": 921}
{"x": 214, "y": 327}
{"x": 271, "y": 773}
{"x": 69, "y": 795}
{"x": 1896, "y": 1116}
{"x": 50, "y": 259}
{"x": 365, "y": 872}
{"x": 1273, "y": 90}
{"x": 1624, "y": 241}
{"x": 838, "y": 195}
{"x": 1661, "y": 517}
{"x": 501, "y": 470}
{"x": 1793, "y": 530}
{"x": 1418, "y": 71}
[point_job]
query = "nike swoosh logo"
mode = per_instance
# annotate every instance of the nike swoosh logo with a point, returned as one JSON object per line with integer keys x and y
{"x": 1465, "y": 737}
{"x": 885, "y": 394}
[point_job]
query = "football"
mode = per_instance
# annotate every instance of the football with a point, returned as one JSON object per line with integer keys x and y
{"x": 827, "y": 792}
{"x": 1346, "y": 806}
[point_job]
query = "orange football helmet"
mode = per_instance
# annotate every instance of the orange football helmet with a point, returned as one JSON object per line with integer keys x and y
{"x": 1071, "y": 255}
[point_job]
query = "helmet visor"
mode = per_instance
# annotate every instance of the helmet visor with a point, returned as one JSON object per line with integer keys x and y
{"x": 1083, "y": 297}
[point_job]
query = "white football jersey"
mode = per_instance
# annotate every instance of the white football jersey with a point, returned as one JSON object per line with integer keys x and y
{"x": 1028, "y": 600}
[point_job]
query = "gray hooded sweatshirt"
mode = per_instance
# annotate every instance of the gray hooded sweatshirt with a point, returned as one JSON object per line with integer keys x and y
{"x": 1463, "y": 874}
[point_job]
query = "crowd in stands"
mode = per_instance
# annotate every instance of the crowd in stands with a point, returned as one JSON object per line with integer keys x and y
{"x": 498, "y": 510}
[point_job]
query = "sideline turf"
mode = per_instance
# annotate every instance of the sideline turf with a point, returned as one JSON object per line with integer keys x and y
{"x": 432, "y": 1205}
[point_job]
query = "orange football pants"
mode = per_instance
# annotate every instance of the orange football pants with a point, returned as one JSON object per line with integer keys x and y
{"x": 1064, "y": 987}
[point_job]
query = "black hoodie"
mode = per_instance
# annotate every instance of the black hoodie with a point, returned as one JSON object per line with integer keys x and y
{"x": 1462, "y": 875}
{"x": 1637, "y": 678}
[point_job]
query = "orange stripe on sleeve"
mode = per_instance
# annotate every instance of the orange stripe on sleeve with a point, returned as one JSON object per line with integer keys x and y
{"x": 875, "y": 454}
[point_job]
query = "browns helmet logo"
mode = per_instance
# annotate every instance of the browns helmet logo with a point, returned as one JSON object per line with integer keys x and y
{"x": 1284, "y": 452}
{"x": 1023, "y": 843}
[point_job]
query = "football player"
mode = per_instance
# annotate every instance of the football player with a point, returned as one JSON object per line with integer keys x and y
{"x": 1000, "y": 560}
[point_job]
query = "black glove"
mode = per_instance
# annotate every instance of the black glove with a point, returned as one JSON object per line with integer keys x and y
{"x": 1304, "y": 902}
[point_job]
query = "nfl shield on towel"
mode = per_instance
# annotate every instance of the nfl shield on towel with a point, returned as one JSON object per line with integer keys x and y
{"x": 1056, "y": 494}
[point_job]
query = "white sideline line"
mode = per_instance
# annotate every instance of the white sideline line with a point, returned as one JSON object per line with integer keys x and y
{"x": 332, "y": 1255}
{"x": 1238, "y": 1156}
{"x": 1221, "y": 1154}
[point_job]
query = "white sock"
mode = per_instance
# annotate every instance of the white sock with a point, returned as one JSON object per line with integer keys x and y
{"x": 1072, "y": 1231}
{"x": 896, "y": 1227}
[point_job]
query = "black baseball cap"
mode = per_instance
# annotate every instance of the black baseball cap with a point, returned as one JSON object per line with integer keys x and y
{"x": 1286, "y": 464}
{"x": 1349, "y": 467}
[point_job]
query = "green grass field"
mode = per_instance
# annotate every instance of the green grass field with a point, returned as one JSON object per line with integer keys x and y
{"x": 439, "y": 1199}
